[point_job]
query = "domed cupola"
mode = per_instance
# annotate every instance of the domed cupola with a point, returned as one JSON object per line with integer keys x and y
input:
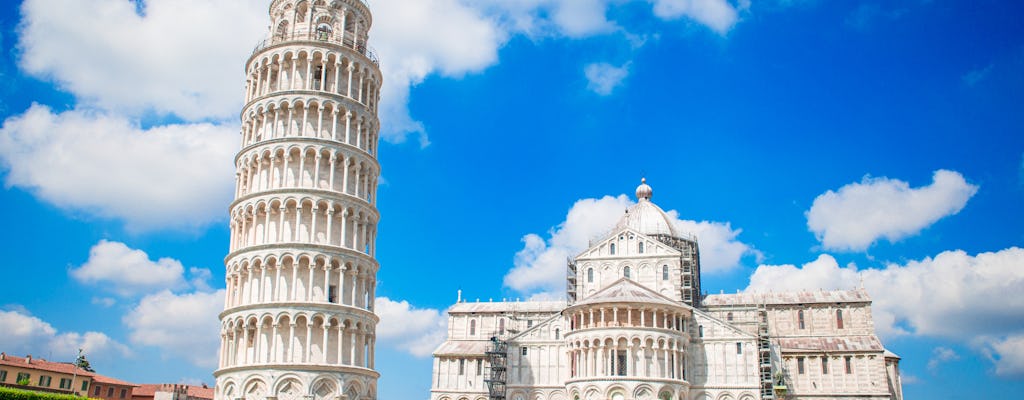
{"x": 644, "y": 191}
{"x": 646, "y": 217}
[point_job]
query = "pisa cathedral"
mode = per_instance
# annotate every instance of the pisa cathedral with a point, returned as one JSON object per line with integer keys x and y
{"x": 635, "y": 326}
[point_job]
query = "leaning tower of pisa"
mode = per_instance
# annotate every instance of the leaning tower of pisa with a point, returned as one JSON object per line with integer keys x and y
{"x": 298, "y": 317}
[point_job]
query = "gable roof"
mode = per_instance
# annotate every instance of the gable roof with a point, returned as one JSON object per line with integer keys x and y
{"x": 830, "y": 344}
{"x": 508, "y": 306}
{"x": 627, "y": 291}
{"x": 780, "y": 298}
{"x": 43, "y": 365}
{"x": 106, "y": 380}
{"x": 610, "y": 238}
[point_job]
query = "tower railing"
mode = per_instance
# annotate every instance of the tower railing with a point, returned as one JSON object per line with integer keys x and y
{"x": 322, "y": 37}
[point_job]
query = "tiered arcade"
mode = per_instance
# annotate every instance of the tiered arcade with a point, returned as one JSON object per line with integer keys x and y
{"x": 298, "y": 316}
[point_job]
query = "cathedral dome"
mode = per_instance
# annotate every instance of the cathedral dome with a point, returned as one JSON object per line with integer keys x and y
{"x": 646, "y": 217}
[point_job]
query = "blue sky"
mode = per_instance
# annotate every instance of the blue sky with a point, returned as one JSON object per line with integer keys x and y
{"x": 809, "y": 144}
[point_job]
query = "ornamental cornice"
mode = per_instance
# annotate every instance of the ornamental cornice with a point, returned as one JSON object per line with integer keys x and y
{"x": 627, "y": 305}
{"x": 612, "y": 380}
{"x": 299, "y": 307}
{"x": 319, "y": 194}
{"x": 279, "y": 96}
{"x": 593, "y": 333}
{"x": 266, "y": 250}
{"x": 299, "y": 140}
{"x": 299, "y": 368}
{"x": 314, "y": 44}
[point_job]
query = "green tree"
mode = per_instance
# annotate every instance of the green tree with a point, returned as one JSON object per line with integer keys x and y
{"x": 82, "y": 363}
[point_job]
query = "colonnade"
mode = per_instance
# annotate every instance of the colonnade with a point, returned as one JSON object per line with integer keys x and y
{"x": 625, "y": 316}
{"x": 295, "y": 69}
{"x": 304, "y": 221}
{"x": 299, "y": 338}
{"x": 310, "y": 118}
{"x": 310, "y": 167}
{"x": 301, "y": 279}
{"x": 638, "y": 356}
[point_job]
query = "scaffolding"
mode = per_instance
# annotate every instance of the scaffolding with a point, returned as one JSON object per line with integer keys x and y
{"x": 497, "y": 356}
{"x": 764, "y": 351}
{"x": 570, "y": 280}
{"x": 773, "y": 382}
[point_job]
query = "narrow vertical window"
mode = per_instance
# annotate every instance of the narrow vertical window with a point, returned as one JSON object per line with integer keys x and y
{"x": 839, "y": 319}
{"x": 332, "y": 294}
{"x": 824, "y": 365}
{"x": 625, "y": 272}
{"x": 739, "y": 348}
{"x": 700, "y": 331}
{"x": 557, "y": 334}
{"x": 472, "y": 328}
{"x": 501, "y": 326}
{"x": 728, "y": 317}
{"x": 800, "y": 317}
{"x": 849, "y": 365}
{"x": 523, "y": 351}
{"x": 590, "y": 275}
{"x": 640, "y": 247}
{"x": 664, "y": 272}
{"x": 612, "y": 248}
{"x": 479, "y": 367}
{"x": 462, "y": 366}
{"x": 800, "y": 365}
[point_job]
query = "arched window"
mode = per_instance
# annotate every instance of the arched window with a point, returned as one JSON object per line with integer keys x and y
{"x": 640, "y": 247}
{"x": 664, "y": 272}
{"x": 590, "y": 275}
{"x": 728, "y": 317}
{"x": 800, "y": 317}
{"x": 839, "y": 319}
{"x": 700, "y": 331}
{"x": 282, "y": 30}
{"x": 472, "y": 328}
{"x": 558, "y": 334}
{"x": 625, "y": 272}
{"x": 612, "y": 247}
{"x": 323, "y": 32}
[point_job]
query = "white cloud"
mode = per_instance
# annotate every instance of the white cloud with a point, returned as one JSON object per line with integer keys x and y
{"x": 26, "y": 334}
{"x": 127, "y": 271}
{"x": 177, "y": 176}
{"x": 603, "y": 78}
{"x": 718, "y": 15}
{"x": 416, "y": 330}
{"x": 1007, "y": 354}
{"x": 539, "y": 268}
{"x": 185, "y": 325}
{"x": 953, "y": 295}
{"x": 182, "y": 57}
{"x": 418, "y": 38}
{"x": 113, "y": 58}
{"x": 942, "y": 355}
{"x": 861, "y": 213}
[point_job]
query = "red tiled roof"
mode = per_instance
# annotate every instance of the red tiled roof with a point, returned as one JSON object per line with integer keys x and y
{"x": 43, "y": 365}
{"x": 106, "y": 380}
{"x": 840, "y": 344}
{"x": 787, "y": 298}
{"x": 200, "y": 392}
